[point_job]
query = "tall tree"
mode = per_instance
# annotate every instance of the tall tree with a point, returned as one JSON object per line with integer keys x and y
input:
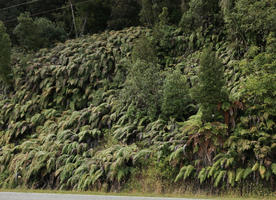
{"x": 37, "y": 33}
{"x": 200, "y": 13}
{"x": 5, "y": 55}
{"x": 209, "y": 91}
{"x": 124, "y": 13}
{"x": 150, "y": 11}
{"x": 249, "y": 22}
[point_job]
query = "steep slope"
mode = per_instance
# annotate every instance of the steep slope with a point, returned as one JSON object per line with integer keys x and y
{"x": 67, "y": 127}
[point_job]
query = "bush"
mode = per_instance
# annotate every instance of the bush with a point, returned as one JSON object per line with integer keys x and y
{"x": 176, "y": 96}
{"x": 142, "y": 87}
{"x": 38, "y": 33}
{"x": 49, "y": 32}
{"x": 144, "y": 50}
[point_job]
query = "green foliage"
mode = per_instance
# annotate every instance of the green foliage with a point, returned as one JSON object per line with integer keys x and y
{"x": 243, "y": 14}
{"x": 26, "y": 32}
{"x": 96, "y": 112}
{"x": 151, "y": 10}
{"x": 200, "y": 14}
{"x": 92, "y": 16}
{"x": 209, "y": 91}
{"x": 124, "y": 13}
{"x": 144, "y": 50}
{"x": 273, "y": 167}
{"x": 48, "y": 32}
{"x": 185, "y": 172}
{"x": 5, "y": 55}
{"x": 142, "y": 87}
{"x": 176, "y": 96}
{"x": 38, "y": 33}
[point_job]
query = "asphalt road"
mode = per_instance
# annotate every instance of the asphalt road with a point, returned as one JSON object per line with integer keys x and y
{"x": 37, "y": 196}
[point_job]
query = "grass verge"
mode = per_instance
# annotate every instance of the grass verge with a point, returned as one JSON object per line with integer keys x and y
{"x": 190, "y": 196}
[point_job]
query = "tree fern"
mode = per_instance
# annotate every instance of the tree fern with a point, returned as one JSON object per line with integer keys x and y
{"x": 97, "y": 175}
{"x": 273, "y": 168}
{"x": 220, "y": 176}
{"x": 255, "y": 167}
{"x": 239, "y": 174}
{"x": 231, "y": 177}
{"x": 180, "y": 174}
{"x": 202, "y": 175}
{"x": 246, "y": 172}
{"x": 188, "y": 171}
{"x": 262, "y": 171}
{"x": 142, "y": 154}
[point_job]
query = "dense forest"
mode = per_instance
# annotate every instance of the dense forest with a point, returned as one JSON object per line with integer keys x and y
{"x": 138, "y": 95}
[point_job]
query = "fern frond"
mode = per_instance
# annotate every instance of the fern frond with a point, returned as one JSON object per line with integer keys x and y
{"x": 273, "y": 168}
{"x": 231, "y": 177}
{"x": 221, "y": 174}
{"x": 239, "y": 174}
{"x": 262, "y": 171}
{"x": 188, "y": 171}
{"x": 246, "y": 172}
{"x": 180, "y": 174}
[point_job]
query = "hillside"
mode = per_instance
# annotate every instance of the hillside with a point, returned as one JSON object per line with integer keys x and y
{"x": 113, "y": 112}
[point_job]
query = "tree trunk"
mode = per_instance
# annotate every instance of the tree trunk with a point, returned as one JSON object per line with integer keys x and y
{"x": 74, "y": 20}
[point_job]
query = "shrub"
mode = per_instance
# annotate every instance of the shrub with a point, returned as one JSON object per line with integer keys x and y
{"x": 48, "y": 32}
{"x": 38, "y": 33}
{"x": 176, "y": 96}
{"x": 144, "y": 50}
{"x": 142, "y": 87}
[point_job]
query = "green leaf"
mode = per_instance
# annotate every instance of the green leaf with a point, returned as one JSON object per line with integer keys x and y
{"x": 239, "y": 174}
{"x": 262, "y": 171}
{"x": 255, "y": 167}
{"x": 246, "y": 172}
{"x": 219, "y": 177}
{"x": 231, "y": 177}
{"x": 202, "y": 175}
{"x": 273, "y": 168}
{"x": 188, "y": 171}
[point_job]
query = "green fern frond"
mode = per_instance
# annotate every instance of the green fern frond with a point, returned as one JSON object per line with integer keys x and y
{"x": 239, "y": 174}
{"x": 246, "y": 172}
{"x": 141, "y": 154}
{"x": 188, "y": 171}
{"x": 255, "y": 167}
{"x": 202, "y": 175}
{"x": 221, "y": 174}
{"x": 262, "y": 171}
{"x": 97, "y": 175}
{"x": 231, "y": 177}
{"x": 180, "y": 174}
{"x": 273, "y": 168}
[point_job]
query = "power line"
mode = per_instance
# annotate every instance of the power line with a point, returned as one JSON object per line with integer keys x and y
{"x": 48, "y": 11}
{"x": 21, "y": 4}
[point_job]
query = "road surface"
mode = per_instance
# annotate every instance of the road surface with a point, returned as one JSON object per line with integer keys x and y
{"x": 42, "y": 196}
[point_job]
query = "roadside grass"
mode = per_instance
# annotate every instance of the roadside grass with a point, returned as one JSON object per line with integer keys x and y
{"x": 190, "y": 196}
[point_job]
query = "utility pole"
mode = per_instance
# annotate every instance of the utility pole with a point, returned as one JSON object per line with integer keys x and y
{"x": 73, "y": 17}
